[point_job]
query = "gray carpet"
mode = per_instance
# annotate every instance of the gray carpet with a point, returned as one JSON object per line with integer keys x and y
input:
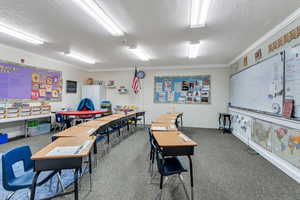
{"x": 223, "y": 170}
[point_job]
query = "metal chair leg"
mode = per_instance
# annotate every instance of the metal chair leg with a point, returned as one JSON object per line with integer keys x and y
{"x": 59, "y": 181}
{"x": 184, "y": 188}
{"x": 10, "y": 195}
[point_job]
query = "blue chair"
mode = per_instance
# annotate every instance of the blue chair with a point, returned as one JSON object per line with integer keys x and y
{"x": 167, "y": 167}
{"x": 13, "y": 183}
{"x": 60, "y": 121}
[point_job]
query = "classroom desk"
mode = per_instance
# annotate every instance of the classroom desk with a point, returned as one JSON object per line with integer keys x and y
{"x": 44, "y": 162}
{"x": 163, "y": 126}
{"x": 171, "y": 144}
{"x": 93, "y": 113}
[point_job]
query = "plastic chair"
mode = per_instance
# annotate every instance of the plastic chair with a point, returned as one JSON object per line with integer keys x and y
{"x": 152, "y": 151}
{"x": 13, "y": 183}
{"x": 60, "y": 121}
{"x": 167, "y": 167}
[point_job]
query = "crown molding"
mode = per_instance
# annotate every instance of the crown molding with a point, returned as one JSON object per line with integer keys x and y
{"x": 288, "y": 20}
{"x": 202, "y": 66}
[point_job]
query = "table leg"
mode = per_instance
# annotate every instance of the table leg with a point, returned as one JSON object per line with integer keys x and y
{"x": 224, "y": 124}
{"x": 229, "y": 128}
{"x": 75, "y": 184}
{"x": 90, "y": 171}
{"x": 33, "y": 186}
{"x": 220, "y": 121}
{"x": 144, "y": 120}
{"x": 191, "y": 177}
{"x": 181, "y": 121}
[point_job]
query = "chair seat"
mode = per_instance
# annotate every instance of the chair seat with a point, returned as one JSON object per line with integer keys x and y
{"x": 172, "y": 166}
{"x": 25, "y": 180}
{"x": 100, "y": 138}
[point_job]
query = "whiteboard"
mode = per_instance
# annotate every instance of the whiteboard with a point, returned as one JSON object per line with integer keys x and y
{"x": 292, "y": 78}
{"x": 259, "y": 87}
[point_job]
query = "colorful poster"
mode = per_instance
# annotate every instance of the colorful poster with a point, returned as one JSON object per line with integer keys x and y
{"x": 23, "y": 82}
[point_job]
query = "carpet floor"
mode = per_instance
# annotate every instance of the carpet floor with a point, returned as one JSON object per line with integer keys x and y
{"x": 223, "y": 170}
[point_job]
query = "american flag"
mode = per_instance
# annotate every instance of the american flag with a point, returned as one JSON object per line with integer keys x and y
{"x": 135, "y": 82}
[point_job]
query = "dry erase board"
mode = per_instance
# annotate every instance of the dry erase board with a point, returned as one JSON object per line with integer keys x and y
{"x": 182, "y": 89}
{"x": 260, "y": 87}
{"x": 25, "y": 82}
{"x": 292, "y": 78}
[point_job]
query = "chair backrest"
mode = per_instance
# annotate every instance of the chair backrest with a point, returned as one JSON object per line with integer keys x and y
{"x": 59, "y": 118}
{"x": 150, "y": 136}
{"x": 10, "y": 158}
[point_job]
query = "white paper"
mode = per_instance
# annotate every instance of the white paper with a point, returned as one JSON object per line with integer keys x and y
{"x": 61, "y": 151}
{"x": 92, "y": 130}
{"x": 184, "y": 137}
{"x": 159, "y": 128}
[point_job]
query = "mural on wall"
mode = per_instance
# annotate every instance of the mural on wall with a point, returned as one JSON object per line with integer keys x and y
{"x": 282, "y": 141}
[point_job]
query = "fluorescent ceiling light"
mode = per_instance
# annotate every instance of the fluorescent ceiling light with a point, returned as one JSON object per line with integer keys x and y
{"x": 193, "y": 50}
{"x": 140, "y": 54}
{"x": 80, "y": 57}
{"x": 199, "y": 12}
{"x": 95, "y": 11}
{"x": 20, "y": 34}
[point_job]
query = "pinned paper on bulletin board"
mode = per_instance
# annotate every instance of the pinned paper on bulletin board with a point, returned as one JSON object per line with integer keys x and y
{"x": 182, "y": 89}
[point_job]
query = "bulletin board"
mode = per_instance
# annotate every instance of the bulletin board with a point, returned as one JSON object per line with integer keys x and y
{"x": 29, "y": 83}
{"x": 182, "y": 89}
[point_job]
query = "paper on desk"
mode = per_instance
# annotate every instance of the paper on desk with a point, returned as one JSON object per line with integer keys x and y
{"x": 184, "y": 137}
{"x": 70, "y": 150}
{"x": 92, "y": 130}
{"x": 159, "y": 128}
{"x": 61, "y": 151}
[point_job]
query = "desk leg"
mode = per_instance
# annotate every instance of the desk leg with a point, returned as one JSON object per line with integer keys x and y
{"x": 229, "y": 128}
{"x": 33, "y": 186}
{"x": 90, "y": 171}
{"x": 75, "y": 184}
{"x": 144, "y": 120}
{"x": 192, "y": 178}
{"x": 220, "y": 121}
{"x": 181, "y": 122}
{"x": 95, "y": 153}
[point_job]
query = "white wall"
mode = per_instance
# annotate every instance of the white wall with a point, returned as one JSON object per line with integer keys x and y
{"x": 69, "y": 72}
{"x": 199, "y": 115}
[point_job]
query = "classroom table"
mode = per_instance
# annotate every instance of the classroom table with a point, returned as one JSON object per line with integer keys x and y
{"x": 175, "y": 143}
{"x": 44, "y": 162}
{"x": 79, "y": 114}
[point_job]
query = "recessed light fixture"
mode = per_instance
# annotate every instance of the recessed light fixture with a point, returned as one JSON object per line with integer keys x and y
{"x": 193, "y": 50}
{"x": 20, "y": 34}
{"x": 92, "y": 8}
{"x": 199, "y": 12}
{"x": 80, "y": 57}
{"x": 140, "y": 54}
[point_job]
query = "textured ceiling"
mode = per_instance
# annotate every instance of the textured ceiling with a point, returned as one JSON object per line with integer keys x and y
{"x": 160, "y": 27}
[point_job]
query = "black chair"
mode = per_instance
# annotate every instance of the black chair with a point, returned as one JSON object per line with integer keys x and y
{"x": 167, "y": 167}
{"x": 152, "y": 151}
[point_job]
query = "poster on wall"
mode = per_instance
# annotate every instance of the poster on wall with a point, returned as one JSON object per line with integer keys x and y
{"x": 25, "y": 82}
{"x": 182, "y": 89}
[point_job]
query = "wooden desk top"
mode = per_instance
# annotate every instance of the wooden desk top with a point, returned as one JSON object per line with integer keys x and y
{"x": 93, "y": 124}
{"x": 64, "y": 142}
{"x": 168, "y": 126}
{"x": 76, "y": 131}
{"x": 171, "y": 139}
